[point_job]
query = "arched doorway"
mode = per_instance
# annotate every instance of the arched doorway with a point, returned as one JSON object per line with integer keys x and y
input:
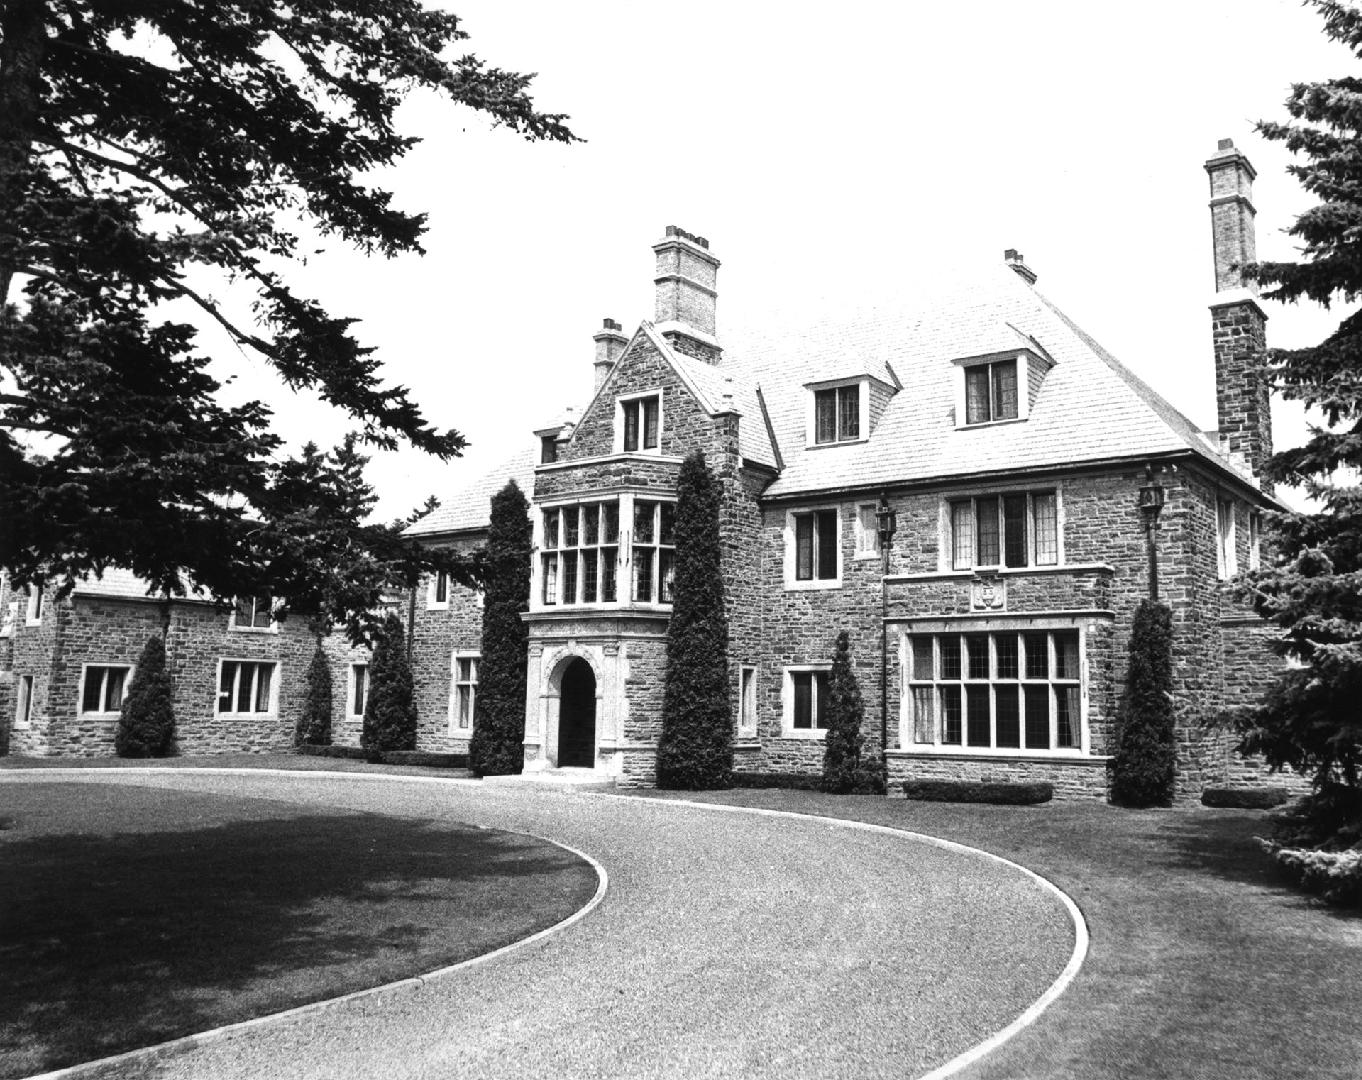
{"x": 577, "y": 716}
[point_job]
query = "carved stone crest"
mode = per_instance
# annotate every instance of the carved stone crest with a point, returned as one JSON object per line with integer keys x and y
{"x": 987, "y": 592}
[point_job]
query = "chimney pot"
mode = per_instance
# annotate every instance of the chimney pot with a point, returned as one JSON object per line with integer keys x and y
{"x": 610, "y": 343}
{"x": 1225, "y": 144}
{"x": 1014, "y": 259}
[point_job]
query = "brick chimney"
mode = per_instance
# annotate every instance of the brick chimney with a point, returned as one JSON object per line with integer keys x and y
{"x": 686, "y": 278}
{"x": 1238, "y": 324}
{"x": 1014, "y": 259}
{"x": 610, "y": 342}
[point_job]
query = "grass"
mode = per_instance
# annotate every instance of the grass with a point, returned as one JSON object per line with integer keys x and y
{"x": 1203, "y": 964}
{"x": 130, "y": 915}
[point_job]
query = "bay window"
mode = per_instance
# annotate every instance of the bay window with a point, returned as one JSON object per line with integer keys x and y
{"x": 583, "y": 551}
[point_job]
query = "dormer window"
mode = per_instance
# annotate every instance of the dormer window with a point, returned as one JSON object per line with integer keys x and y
{"x": 548, "y": 449}
{"x": 640, "y": 423}
{"x": 837, "y": 414}
{"x": 991, "y": 392}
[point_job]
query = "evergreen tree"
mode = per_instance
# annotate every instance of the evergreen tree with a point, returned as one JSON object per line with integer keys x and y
{"x": 146, "y": 723}
{"x": 153, "y": 154}
{"x": 1146, "y": 747}
{"x": 314, "y": 721}
{"x": 497, "y": 744}
{"x": 695, "y": 750}
{"x": 1310, "y": 721}
{"x": 390, "y": 708}
{"x": 847, "y": 769}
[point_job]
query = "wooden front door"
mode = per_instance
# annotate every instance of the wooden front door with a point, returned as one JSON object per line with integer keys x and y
{"x": 577, "y": 716}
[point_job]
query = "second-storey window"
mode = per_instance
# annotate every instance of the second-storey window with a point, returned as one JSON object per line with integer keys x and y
{"x": 837, "y": 414}
{"x": 246, "y": 686}
{"x": 252, "y": 613}
{"x": 640, "y": 417}
{"x": 1020, "y": 529}
{"x": 580, "y": 552}
{"x": 654, "y": 551}
{"x": 1226, "y": 557}
{"x": 102, "y": 687}
{"x": 815, "y": 545}
{"x": 991, "y": 392}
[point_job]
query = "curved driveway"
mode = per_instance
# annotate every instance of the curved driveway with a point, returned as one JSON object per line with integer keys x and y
{"x": 728, "y": 944}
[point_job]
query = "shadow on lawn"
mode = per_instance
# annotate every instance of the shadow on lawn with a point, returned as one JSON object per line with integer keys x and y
{"x": 109, "y": 942}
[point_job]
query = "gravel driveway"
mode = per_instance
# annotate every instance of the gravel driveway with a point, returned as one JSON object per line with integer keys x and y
{"x": 728, "y": 944}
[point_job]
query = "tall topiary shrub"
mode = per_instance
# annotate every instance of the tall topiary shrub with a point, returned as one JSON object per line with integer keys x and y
{"x": 847, "y": 768}
{"x": 695, "y": 750}
{"x": 390, "y": 709}
{"x": 314, "y": 721}
{"x": 497, "y": 745}
{"x": 1146, "y": 749}
{"x": 146, "y": 722}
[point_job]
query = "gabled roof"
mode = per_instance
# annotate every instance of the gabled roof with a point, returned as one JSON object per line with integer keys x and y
{"x": 469, "y": 508}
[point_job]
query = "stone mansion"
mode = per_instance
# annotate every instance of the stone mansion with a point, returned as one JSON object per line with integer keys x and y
{"x": 1013, "y": 451}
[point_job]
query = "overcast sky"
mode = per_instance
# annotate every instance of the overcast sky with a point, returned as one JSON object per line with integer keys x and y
{"x": 823, "y": 150}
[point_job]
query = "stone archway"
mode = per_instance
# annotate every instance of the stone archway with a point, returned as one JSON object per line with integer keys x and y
{"x": 577, "y": 715}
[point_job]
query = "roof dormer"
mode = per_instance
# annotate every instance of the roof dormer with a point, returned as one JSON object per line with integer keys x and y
{"x": 1000, "y": 386}
{"x": 844, "y": 410}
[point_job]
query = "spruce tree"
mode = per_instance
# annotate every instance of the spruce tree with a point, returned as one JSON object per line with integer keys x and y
{"x": 314, "y": 720}
{"x": 497, "y": 744}
{"x": 1146, "y": 747}
{"x": 146, "y": 722}
{"x": 847, "y": 768}
{"x": 695, "y": 750}
{"x": 390, "y": 708}
{"x": 1310, "y": 720}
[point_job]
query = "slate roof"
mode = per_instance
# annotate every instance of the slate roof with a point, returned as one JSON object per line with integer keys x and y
{"x": 469, "y": 508}
{"x": 1089, "y": 408}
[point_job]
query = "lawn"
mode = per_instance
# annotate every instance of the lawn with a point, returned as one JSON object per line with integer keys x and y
{"x": 131, "y": 915}
{"x": 1202, "y": 963}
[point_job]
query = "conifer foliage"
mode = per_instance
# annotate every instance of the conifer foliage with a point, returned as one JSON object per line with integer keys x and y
{"x": 695, "y": 751}
{"x": 1146, "y": 747}
{"x": 497, "y": 745}
{"x": 314, "y": 721}
{"x": 1310, "y": 720}
{"x": 847, "y": 768}
{"x": 390, "y": 709}
{"x": 146, "y": 722}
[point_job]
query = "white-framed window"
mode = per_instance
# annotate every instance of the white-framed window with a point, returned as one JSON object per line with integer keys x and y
{"x": 1011, "y": 529}
{"x": 838, "y": 412}
{"x": 357, "y": 692}
{"x": 992, "y": 392}
{"x": 638, "y": 423}
{"x": 246, "y": 686}
{"x": 813, "y": 548}
{"x": 437, "y": 591}
{"x": 23, "y": 713}
{"x": 652, "y": 552}
{"x": 867, "y": 532}
{"x": 9, "y": 615}
{"x": 463, "y": 698}
{"x": 579, "y": 553}
{"x": 102, "y": 687}
{"x": 1226, "y": 557}
{"x": 805, "y": 701}
{"x": 747, "y": 700}
{"x": 1017, "y": 691}
{"x": 33, "y": 612}
{"x": 1255, "y": 550}
{"x": 254, "y": 613}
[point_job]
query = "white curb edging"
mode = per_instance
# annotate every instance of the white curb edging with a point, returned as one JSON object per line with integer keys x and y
{"x": 1032, "y": 1013}
{"x": 416, "y": 982}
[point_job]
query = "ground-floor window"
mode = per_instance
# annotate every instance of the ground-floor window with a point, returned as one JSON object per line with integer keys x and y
{"x": 359, "y": 688}
{"x": 747, "y": 700}
{"x": 1000, "y": 690}
{"x": 102, "y": 687}
{"x": 23, "y": 715}
{"x": 806, "y": 701}
{"x": 246, "y": 686}
{"x": 464, "y": 698}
